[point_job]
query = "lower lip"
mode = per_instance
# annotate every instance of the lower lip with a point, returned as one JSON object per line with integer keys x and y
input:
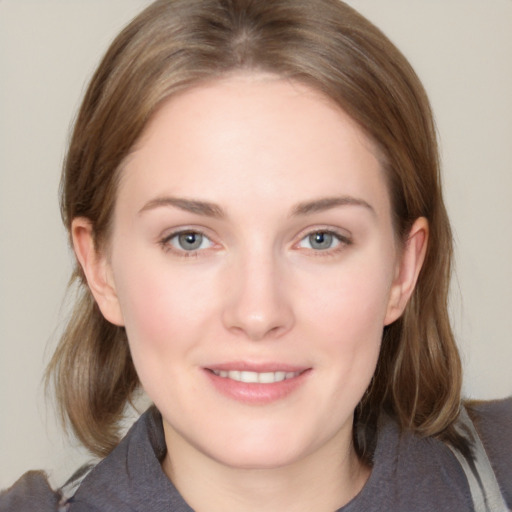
{"x": 255, "y": 393}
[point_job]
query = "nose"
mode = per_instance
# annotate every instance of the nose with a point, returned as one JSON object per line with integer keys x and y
{"x": 257, "y": 303}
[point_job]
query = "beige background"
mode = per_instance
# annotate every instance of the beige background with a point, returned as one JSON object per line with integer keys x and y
{"x": 462, "y": 49}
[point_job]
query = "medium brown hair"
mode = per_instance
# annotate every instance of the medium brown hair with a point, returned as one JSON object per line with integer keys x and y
{"x": 175, "y": 44}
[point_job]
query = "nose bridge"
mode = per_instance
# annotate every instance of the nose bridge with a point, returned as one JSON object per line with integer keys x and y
{"x": 257, "y": 304}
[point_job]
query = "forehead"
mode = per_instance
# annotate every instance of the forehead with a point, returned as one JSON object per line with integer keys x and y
{"x": 252, "y": 134}
{"x": 250, "y": 100}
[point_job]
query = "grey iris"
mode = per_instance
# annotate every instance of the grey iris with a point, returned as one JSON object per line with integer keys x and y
{"x": 320, "y": 240}
{"x": 190, "y": 241}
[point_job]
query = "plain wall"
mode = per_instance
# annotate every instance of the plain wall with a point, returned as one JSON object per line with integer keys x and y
{"x": 462, "y": 49}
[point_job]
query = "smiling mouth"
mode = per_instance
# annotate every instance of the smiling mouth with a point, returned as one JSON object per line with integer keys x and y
{"x": 256, "y": 377}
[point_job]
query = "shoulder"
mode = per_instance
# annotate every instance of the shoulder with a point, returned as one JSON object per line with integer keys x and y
{"x": 412, "y": 473}
{"x": 131, "y": 477}
{"x": 492, "y": 418}
{"x": 31, "y": 492}
{"x": 493, "y": 421}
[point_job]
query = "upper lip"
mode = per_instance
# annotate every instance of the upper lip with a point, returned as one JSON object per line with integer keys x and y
{"x": 262, "y": 367}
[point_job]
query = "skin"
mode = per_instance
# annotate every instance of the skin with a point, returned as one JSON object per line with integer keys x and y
{"x": 258, "y": 156}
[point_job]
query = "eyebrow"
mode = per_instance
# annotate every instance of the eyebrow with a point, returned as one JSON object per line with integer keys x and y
{"x": 326, "y": 203}
{"x": 209, "y": 209}
{"x": 189, "y": 205}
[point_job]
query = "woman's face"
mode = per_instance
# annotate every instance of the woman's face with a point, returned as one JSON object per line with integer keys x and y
{"x": 254, "y": 264}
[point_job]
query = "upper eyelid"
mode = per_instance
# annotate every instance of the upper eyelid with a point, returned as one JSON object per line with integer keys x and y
{"x": 343, "y": 234}
{"x": 165, "y": 240}
{"x": 344, "y": 239}
{"x": 170, "y": 236}
{"x": 171, "y": 233}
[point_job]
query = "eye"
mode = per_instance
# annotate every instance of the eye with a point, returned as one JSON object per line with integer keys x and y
{"x": 188, "y": 241}
{"x": 323, "y": 240}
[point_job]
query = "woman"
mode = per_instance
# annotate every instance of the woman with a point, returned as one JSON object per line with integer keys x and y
{"x": 252, "y": 193}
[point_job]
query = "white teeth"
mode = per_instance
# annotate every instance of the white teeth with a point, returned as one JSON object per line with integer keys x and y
{"x": 249, "y": 377}
{"x": 267, "y": 378}
{"x": 255, "y": 377}
{"x": 279, "y": 376}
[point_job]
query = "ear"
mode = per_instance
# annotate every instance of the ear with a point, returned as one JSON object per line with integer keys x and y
{"x": 408, "y": 269}
{"x": 97, "y": 270}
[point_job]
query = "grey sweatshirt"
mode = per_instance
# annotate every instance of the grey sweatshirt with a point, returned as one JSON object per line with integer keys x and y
{"x": 410, "y": 474}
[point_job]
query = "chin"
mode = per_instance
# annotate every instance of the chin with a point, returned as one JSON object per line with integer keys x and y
{"x": 272, "y": 457}
{"x": 260, "y": 450}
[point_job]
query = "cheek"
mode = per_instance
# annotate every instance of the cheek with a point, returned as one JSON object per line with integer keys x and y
{"x": 351, "y": 302}
{"x": 340, "y": 325}
{"x": 346, "y": 318}
{"x": 164, "y": 321}
{"x": 161, "y": 307}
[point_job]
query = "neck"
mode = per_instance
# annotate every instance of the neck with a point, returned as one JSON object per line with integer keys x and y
{"x": 323, "y": 481}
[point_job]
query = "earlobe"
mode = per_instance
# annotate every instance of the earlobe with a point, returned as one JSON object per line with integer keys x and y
{"x": 97, "y": 270}
{"x": 408, "y": 269}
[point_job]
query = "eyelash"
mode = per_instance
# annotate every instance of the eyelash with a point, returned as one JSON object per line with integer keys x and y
{"x": 342, "y": 242}
{"x": 167, "y": 246}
